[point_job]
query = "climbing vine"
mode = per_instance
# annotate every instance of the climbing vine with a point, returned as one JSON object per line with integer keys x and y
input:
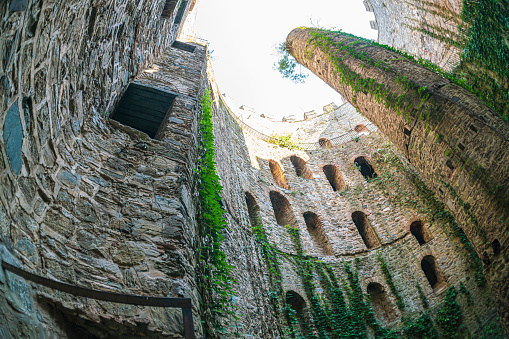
{"x": 390, "y": 282}
{"x": 450, "y": 317}
{"x": 216, "y": 279}
{"x": 420, "y": 328}
{"x": 284, "y": 140}
{"x": 424, "y": 199}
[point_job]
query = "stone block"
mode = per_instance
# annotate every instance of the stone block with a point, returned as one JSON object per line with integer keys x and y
{"x": 13, "y": 137}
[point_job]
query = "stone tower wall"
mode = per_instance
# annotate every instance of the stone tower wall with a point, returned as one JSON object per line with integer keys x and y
{"x": 401, "y": 24}
{"x": 84, "y": 200}
{"x": 456, "y": 143}
{"x": 389, "y": 216}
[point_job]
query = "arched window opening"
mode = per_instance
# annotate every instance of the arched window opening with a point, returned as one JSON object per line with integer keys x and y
{"x": 253, "y": 210}
{"x": 496, "y": 247}
{"x": 365, "y": 230}
{"x": 365, "y": 167}
{"x": 486, "y": 258}
{"x": 301, "y": 168}
{"x": 432, "y": 272}
{"x": 420, "y": 232}
{"x": 278, "y": 174}
{"x": 325, "y": 143}
{"x": 361, "y": 129}
{"x": 317, "y": 233}
{"x": 296, "y": 302}
{"x": 335, "y": 177}
{"x": 382, "y": 306}
{"x": 282, "y": 209}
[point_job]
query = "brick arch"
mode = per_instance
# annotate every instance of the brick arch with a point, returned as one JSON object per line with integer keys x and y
{"x": 365, "y": 229}
{"x": 301, "y": 167}
{"x": 365, "y": 167}
{"x": 278, "y": 174}
{"x": 420, "y": 232}
{"x": 382, "y": 305}
{"x": 335, "y": 178}
{"x": 317, "y": 233}
{"x": 253, "y": 209}
{"x": 282, "y": 209}
{"x": 433, "y": 273}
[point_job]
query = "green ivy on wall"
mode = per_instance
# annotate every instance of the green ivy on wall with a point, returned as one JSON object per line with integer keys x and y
{"x": 216, "y": 280}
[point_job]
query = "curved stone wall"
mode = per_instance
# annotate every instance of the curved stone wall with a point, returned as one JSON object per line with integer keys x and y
{"x": 414, "y": 26}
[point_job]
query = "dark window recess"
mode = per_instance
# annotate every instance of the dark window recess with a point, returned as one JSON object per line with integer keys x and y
{"x": 432, "y": 272}
{"x": 91, "y": 21}
{"x": 486, "y": 258}
{"x": 296, "y": 302}
{"x": 461, "y": 147}
{"x": 169, "y": 7}
{"x": 366, "y": 232}
{"x": 496, "y": 247}
{"x": 473, "y": 128}
{"x": 253, "y": 209}
{"x": 19, "y": 5}
{"x": 180, "y": 12}
{"x": 144, "y": 108}
{"x": 406, "y": 131}
{"x": 365, "y": 167}
{"x": 420, "y": 232}
{"x": 301, "y": 168}
{"x": 335, "y": 178}
{"x": 183, "y": 46}
{"x": 282, "y": 210}
{"x": 278, "y": 174}
{"x": 449, "y": 164}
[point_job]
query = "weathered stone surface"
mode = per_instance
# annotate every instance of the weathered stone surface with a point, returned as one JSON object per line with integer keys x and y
{"x": 13, "y": 137}
{"x": 432, "y": 135}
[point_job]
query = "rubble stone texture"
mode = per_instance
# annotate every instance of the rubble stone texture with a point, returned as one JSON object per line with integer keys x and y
{"x": 456, "y": 143}
{"x": 90, "y": 202}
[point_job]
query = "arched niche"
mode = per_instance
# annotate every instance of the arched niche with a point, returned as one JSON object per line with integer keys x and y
{"x": 296, "y": 302}
{"x": 365, "y": 230}
{"x": 253, "y": 209}
{"x": 278, "y": 174}
{"x": 432, "y": 272}
{"x": 420, "y": 232}
{"x": 325, "y": 143}
{"x": 317, "y": 233}
{"x": 282, "y": 209}
{"x": 382, "y": 306}
{"x": 361, "y": 129}
{"x": 335, "y": 177}
{"x": 301, "y": 167}
{"x": 367, "y": 171}
{"x": 495, "y": 245}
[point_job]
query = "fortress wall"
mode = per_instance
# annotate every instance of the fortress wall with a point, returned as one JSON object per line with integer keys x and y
{"x": 456, "y": 143}
{"x": 389, "y": 218}
{"x": 400, "y": 24}
{"x": 84, "y": 200}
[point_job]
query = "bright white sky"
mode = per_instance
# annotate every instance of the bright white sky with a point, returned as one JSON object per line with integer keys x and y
{"x": 243, "y": 35}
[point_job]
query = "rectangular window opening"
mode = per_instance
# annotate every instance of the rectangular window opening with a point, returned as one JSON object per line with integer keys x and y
{"x": 183, "y": 46}
{"x": 180, "y": 12}
{"x": 169, "y": 7}
{"x": 144, "y": 108}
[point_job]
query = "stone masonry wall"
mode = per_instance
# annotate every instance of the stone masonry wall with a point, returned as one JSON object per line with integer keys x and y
{"x": 390, "y": 220}
{"x": 85, "y": 200}
{"x": 456, "y": 143}
{"x": 401, "y": 24}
